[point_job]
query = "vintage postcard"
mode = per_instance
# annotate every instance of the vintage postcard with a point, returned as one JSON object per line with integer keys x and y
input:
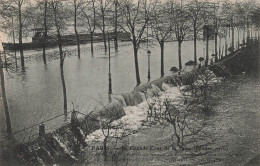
{"x": 129, "y": 82}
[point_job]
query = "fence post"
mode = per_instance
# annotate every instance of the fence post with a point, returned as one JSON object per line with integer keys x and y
{"x": 41, "y": 130}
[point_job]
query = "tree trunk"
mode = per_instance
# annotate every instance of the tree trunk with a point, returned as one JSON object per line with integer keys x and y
{"x": 244, "y": 29}
{"x": 104, "y": 30}
{"x": 176, "y": 134}
{"x": 62, "y": 58}
{"x": 162, "y": 58}
{"x": 45, "y": 33}
{"x": 207, "y": 50}
{"x": 62, "y": 78}
{"x": 91, "y": 43}
{"x": 109, "y": 68}
{"x": 238, "y": 42}
{"x": 105, "y": 149}
{"x": 104, "y": 39}
{"x": 216, "y": 46}
{"x": 15, "y": 59}
{"x": 195, "y": 43}
{"x": 257, "y": 33}
{"x": 251, "y": 28}
{"x": 116, "y": 17}
{"x": 216, "y": 35}
{"x": 229, "y": 32}
{"x": 7, "y": 116}
{"x": 136, "y": 65}
{"x": 232, "y": 29}
{"x": 75, "y": 27}
{"x": 62, "y": 74}
{"x": 21, "y": 34}
{"x": 219, "y": 50}
{"x": 225, "y": 42}
{"x": 179, "y": 54}
{"x": 248, "y": 31}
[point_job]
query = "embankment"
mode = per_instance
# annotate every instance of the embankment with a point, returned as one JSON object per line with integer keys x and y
{"x": 63, "y": 145}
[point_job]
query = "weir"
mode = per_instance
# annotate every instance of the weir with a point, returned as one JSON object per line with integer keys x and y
{"x": 64, "y": 144}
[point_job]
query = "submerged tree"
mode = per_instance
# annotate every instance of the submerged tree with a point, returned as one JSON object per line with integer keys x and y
{"x": 45, "y": 30}
{"x": 116, "y": 4}
{"x": 76, "y": 5}
{"x": 41, "y": 19}
{"x": 88, "y": 12}
{"x": 8, "y": 23}
{"x": 19, "y": 4}
{"x": 216, "y": 28}
{"x": 195, "y": 12}
{"x": 182, "y": 25}
{"x": 133, "y": 21}
{"x": 228, "y": 13}
{"x": 103, "y": 5}
{"x": 208, "y": 29}
{"x": 255, "y": 19}
{"x": 59, "y": 14}
{"x": 161, "y": 26}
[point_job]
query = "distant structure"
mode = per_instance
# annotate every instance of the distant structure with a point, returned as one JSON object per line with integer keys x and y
{"x": 38, "y": 39}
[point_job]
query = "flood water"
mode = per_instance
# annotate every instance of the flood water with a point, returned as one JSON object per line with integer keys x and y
{"x": 35, "y": 95}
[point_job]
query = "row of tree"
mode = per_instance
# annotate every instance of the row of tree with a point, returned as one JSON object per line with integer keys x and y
{"x": 166, "y": 20}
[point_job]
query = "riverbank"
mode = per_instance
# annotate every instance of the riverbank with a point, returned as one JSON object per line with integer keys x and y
{"x": 233, "y": 129}
{"x": 61, "y": 146}
{"x": 231, "y": 136}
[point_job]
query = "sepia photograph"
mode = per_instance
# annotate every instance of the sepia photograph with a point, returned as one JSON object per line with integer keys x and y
{"x": 129, "y": 83}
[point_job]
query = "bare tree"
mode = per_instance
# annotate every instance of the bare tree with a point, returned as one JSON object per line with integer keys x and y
{"x": 228, "y": 12}
{"x": 103, "y": 5}
{"x": 59, "y": 22}
{"x": 133, "y": 21}
{"x": 116, "y": 3}
{"x": 45, "y": 31}
{"x": 208, "y": 29}
{"x": 88, "y": 12}
{"x": 216, "y": 27}
{"x": 8, "y": 16}
{"x": 255, "y": 19}
{"x": 182, "y": 112}
{"x": 243, "y": 12}
{"x": 195, "y": 11}
{"x": 76, "y": 4}
{"x": 105, "y": 125}
{"x": 181, "y": 117}
{"x": 161, "y": 26}
{"x": 19, "y": 5}
{"x": 182, "y": 24}
{"x": 40, "y": 19}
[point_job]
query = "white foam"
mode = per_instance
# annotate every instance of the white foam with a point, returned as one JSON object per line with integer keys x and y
{"x": 134, "y": 116}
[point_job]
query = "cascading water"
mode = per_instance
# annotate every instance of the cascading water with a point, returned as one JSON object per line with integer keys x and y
{"x": 128, "y": 112}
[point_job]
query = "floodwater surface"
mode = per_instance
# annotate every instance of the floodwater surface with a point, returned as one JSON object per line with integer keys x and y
{"x": 35, "y": 95}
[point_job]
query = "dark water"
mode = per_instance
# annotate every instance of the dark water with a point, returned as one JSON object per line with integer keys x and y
{"x": 36, "y": 94}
